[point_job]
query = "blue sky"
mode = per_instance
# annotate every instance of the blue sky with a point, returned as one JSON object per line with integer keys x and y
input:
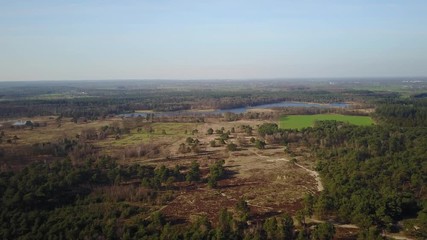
{"x": 165, "y": 39}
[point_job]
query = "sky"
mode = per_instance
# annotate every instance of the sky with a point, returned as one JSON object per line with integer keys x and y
{"x": 218, "y": 39}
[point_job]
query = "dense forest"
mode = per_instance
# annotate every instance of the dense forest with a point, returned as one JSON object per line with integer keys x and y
{"x": 373, "y": 175}
{"x": 102, "y": 200}
{"x": 404, "y": 113}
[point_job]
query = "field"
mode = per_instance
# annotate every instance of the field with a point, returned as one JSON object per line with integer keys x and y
{"x": 302, "y": 121}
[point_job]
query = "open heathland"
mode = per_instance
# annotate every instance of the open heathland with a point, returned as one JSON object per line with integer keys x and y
{"x": 76, "y": 162}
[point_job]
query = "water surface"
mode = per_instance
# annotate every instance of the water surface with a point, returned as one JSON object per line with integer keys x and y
{"x": 237, "y": 110}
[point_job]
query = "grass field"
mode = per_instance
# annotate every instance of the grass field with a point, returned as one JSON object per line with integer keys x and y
{"x": 302, "y": 121}
{"x": 172, "y": 131}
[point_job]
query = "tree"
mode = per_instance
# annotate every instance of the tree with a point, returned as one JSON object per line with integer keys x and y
{"x": 260, "y": 144}
{"x": 300, "y": 217}
{"x": 267, "y": 129}
{"x": 212, "y": 182}
{"x": 321, "y": 205}
{"x": 323, "y": 231}
{"x": 193, "y": 174}
{"x": 158, "y": 220}
{"x": 216, "y": 173}
{"x": 166, "y": 232}
{"x": 210, "y": 131}
{"x": 200, "y": 229}
{"x": 303, "y": 235}
{"x": 229, "y": 116}
{"x": 247, "y": 129}
{"x": 243, "y": 210}
{"x": 224, "y": 136}
{"x": 371, "y": 233}
{"x": 225, "y": 222}
{"x": 183, "y": 148}
{"x": 189, "y": 140}
{"x": 422, "y": 221}
{"x": 288, "y": 227}
{"x": 195, "y": 148}
{"x": 270, "y": 228}
{"x": 308, "y": 204}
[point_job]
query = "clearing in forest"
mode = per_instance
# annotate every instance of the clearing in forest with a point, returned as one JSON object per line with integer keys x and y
{"x": 302, "y": 121}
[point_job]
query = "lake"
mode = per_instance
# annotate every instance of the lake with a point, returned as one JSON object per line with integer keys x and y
{"x": 237, "y": 110}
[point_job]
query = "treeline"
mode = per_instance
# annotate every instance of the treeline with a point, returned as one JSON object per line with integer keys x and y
{"x": 404, "y": 113}
{"x": 97, "y": 103}
{"x": 280, "y": 111}
{"x": 90, "y": 108}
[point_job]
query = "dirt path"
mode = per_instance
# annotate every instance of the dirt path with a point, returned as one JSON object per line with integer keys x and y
{"x": 311, "y": 172}
{"x": 321, "y": 188}
{"x": 396, "y": 236}
{"x": 315, "y": 175}
{"x": 337, "y": 225}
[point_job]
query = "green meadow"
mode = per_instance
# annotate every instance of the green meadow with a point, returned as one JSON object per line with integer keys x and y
{"x": 302, "y": 121}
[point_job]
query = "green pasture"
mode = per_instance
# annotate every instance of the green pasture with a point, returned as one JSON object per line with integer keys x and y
{"x": 302, "y": 121}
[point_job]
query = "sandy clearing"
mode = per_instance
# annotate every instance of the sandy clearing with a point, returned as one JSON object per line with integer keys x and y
{"x": 311, "y": 172}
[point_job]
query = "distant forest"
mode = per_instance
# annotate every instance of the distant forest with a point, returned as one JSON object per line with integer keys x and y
{"x": 99, "y": 103}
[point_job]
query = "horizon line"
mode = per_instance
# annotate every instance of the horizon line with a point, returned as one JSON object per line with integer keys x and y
{"x": 214, "y": 79}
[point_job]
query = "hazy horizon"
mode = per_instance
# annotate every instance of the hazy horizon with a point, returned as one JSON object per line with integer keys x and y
{"x": 206, "y": 80}
{"x": 203, "y": 40}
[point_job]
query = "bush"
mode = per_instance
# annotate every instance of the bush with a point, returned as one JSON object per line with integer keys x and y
{"x": 210, "y": 131}
{"x": 232, "y": 147}
{"x": 260, "y": 144}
